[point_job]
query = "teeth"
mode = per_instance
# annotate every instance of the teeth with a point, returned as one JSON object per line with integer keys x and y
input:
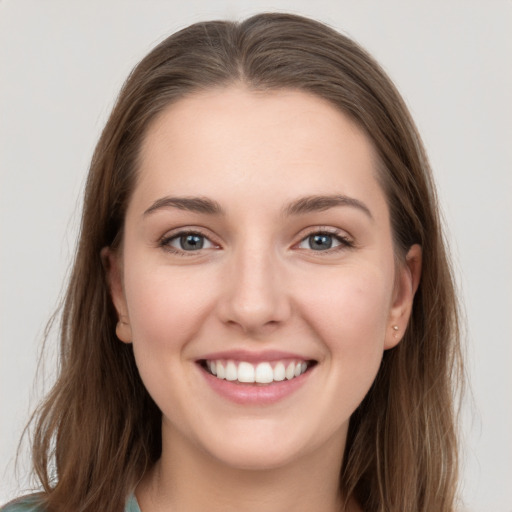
{"x": 290, "y": 371}
{"x": 262, "y": 373}
{"x": 221, "y": 373}
{"x": 231, "y": 371}
{"x": 279, "y": 372}
{"x": 245, "y": 372}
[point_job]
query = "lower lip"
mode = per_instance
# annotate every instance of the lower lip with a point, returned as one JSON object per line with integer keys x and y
{"x": 255, "y": 394}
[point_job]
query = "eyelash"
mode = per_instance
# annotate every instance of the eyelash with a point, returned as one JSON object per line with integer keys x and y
{"x": 344, "y": 241}
{"x": 166, "y": 240}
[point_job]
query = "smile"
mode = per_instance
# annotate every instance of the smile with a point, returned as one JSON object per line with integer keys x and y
{"x": 256, "y": 379}
{"x": 266, "y": 372}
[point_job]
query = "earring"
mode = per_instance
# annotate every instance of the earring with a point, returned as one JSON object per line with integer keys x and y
{"x": 395, "y": 328}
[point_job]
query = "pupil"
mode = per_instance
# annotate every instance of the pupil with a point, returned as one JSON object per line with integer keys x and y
{"x": 319, "y": 242}
{"x": 191, "y": 242}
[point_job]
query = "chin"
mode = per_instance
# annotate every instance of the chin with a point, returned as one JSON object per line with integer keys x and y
{"x": 262, "y": 447}
{"x": 249, "y": 457}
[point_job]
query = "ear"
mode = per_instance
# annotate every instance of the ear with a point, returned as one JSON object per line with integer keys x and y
{"x": 406, "y": 283}
{"x": 112, "y": 263}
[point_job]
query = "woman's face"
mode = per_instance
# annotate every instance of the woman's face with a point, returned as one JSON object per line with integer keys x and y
{"x": 257, "y": 247}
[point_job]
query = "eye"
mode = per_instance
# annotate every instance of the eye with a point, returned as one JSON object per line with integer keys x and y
{"x": 187, "y": 242}
{"x": 323, "y": 242}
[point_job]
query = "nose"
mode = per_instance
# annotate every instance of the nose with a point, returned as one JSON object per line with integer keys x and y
{"x": 255, "y": 297}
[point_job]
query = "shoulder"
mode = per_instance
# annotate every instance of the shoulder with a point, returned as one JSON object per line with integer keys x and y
{"x": 25, "y": 504}
{"x": 131, "y": 504}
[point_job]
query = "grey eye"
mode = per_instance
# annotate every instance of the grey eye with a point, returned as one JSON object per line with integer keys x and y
{"x": 190, "y": 242}
{"x": 320, "y": 242}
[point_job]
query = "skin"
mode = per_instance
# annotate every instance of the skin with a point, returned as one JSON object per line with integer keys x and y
{"x": 257, "y": 285}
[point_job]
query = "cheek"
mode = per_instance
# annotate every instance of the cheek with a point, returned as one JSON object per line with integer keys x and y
{"x": 164, "y": 306}
{"x": 166, "y": 310}
{"x": 350, "y": 316}
{"x": 355, "y": 302}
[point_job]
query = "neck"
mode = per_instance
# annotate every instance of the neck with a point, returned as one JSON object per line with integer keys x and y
{"x": 186, "y": 479}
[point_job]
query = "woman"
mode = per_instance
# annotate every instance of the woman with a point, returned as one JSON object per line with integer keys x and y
{"x": 261, "y": 313}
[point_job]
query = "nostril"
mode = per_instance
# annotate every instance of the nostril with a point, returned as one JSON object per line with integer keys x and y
{"x": 254, "y": 300}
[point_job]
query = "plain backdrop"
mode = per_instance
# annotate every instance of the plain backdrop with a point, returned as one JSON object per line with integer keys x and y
{"x": 61, "y": 66}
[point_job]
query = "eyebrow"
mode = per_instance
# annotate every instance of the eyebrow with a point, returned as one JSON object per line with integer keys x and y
{"x": 191, "y": 204}
{"x": 320, "y": 203}
{"x": 308, "y": 204}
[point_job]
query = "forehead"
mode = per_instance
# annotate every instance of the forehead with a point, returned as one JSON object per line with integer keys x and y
{"x": 237, "y": 140}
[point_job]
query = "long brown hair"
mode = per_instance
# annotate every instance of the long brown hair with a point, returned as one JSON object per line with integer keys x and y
{"x": 98, "y": 431}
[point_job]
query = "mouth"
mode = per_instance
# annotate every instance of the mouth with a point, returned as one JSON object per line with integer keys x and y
{"x": 263, "y": 373}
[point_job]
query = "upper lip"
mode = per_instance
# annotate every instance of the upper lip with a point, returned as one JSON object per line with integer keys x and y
{"x": 253, "y": 357}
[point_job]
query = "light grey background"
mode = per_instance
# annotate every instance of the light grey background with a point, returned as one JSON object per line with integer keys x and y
{"x": 63, "y": 62}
